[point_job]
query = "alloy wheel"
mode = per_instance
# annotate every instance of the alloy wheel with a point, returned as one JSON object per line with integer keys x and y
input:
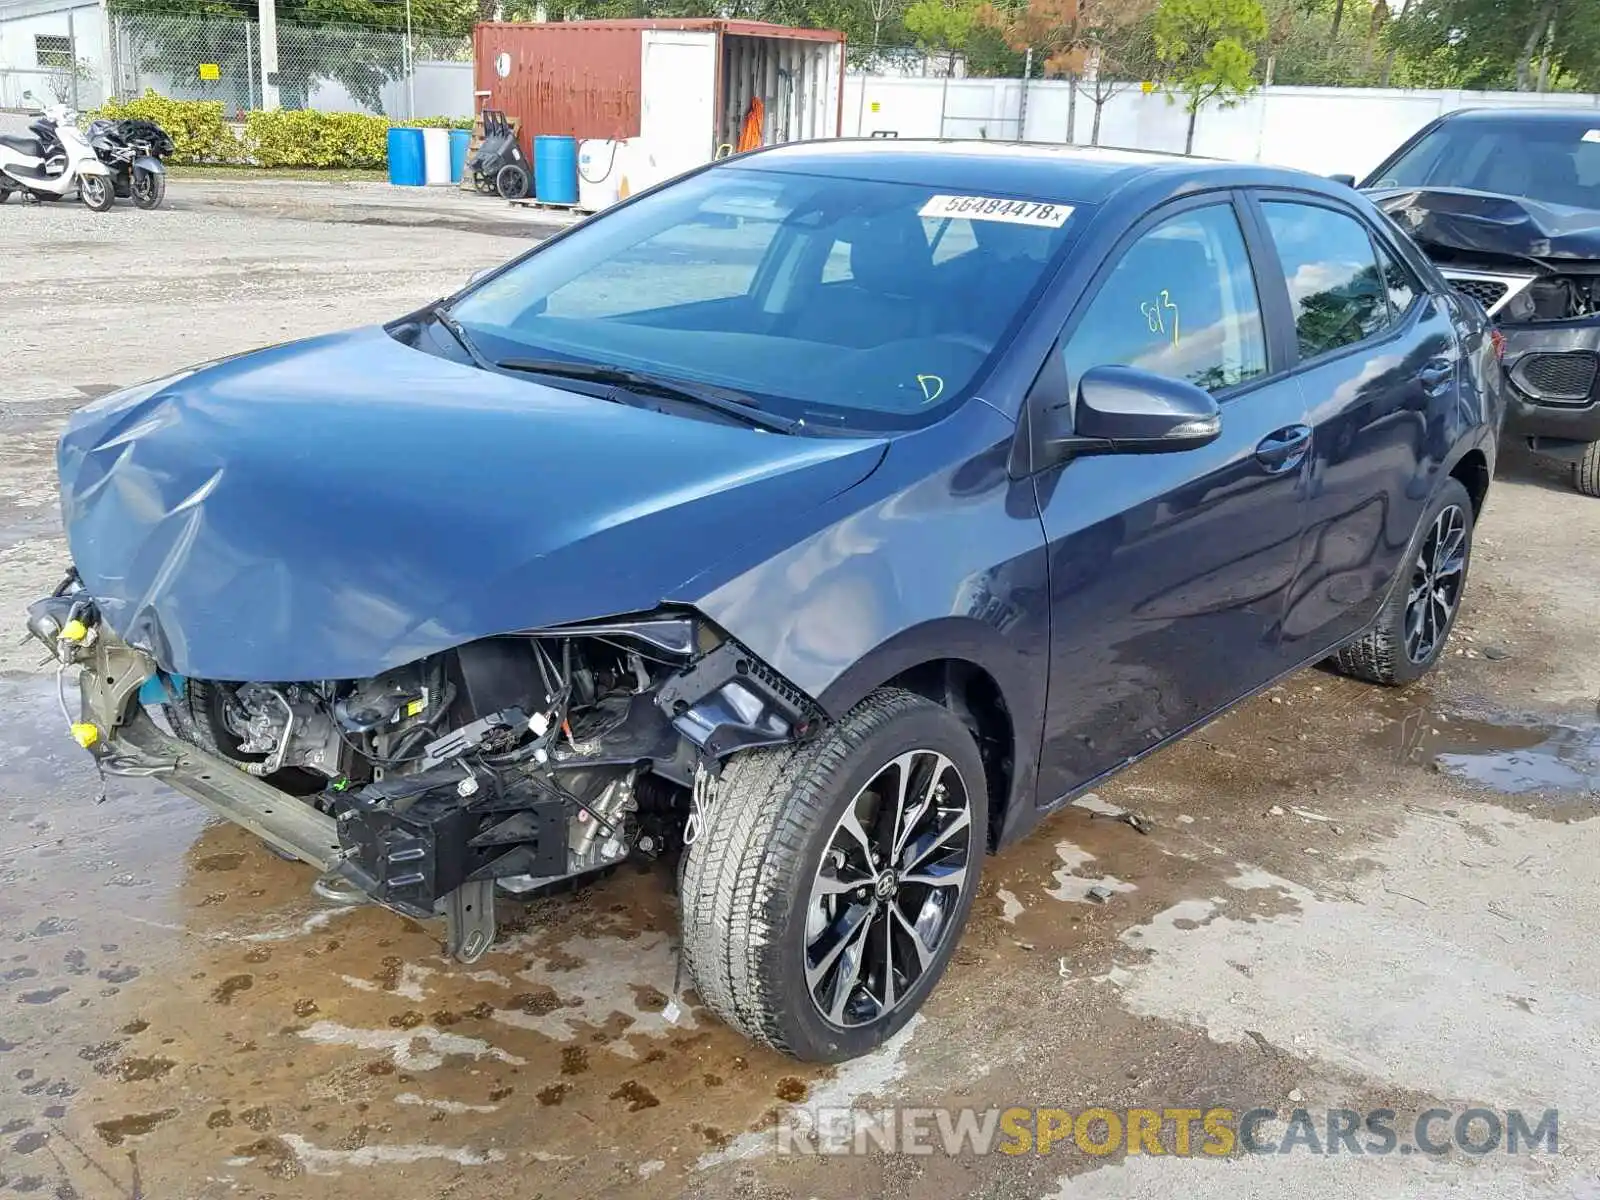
{"x": 1436, "y": 580}
{"x": 887, "y": 890}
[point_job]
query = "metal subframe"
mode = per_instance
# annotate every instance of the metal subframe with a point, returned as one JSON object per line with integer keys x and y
{"x": 292, "y": 826}
{"x": 276, "y": 818}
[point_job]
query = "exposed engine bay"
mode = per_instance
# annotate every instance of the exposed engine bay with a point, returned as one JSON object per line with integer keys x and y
{"x": 518, "y": 762}
{"x": 1535, "y": 269}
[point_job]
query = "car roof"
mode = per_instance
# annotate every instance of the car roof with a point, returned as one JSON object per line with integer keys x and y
{"x": 1080, "y": 174}
{"x": 1519, "y": 114}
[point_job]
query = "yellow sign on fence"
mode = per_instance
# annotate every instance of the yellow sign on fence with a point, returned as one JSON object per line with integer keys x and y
{"x": 210, "y": 71}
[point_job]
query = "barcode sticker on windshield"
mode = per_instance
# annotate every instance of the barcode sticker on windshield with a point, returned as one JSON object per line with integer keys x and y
{"x": 1592, "y": 135}
{"x": 991, "y": 208}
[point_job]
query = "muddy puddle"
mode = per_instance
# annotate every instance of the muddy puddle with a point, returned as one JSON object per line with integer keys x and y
{"x": 196, "y": 1014}
{"x": 174, "y": 992}
{"x": 1513, "y": 754}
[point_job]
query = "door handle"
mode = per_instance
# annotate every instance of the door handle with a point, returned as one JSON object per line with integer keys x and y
{"x": 1282, "y": 449}
{"x": 1436, "y": 375}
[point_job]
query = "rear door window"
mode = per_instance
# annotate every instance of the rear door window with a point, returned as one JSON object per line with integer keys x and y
{"x": 1181, "y": 302}
{"x": 1332, "y": 273}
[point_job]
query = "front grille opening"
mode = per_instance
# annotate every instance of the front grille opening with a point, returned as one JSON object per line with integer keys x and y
{"x": 1563, "y": 378}
{"x": 1487, "y": 292}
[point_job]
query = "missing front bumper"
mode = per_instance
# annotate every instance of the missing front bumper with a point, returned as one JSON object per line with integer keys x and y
{"x": 282, "y": 821}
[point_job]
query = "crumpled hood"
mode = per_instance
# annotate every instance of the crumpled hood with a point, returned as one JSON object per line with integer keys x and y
{"x": 332, "y": 508}
{"x": 1485, "y": 223}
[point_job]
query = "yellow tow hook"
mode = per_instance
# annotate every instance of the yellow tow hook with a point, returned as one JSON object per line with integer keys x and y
{"x": 85, "y": 733}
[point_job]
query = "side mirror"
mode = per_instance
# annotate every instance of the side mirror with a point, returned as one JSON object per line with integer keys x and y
{"x": 1347, "y": 180}
{"x": 1126, "y": 410}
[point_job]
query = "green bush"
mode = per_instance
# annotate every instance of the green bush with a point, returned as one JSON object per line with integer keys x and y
{"x": 308, "y": 138}
{"x": 279, "y": 138}
{"x": 437, "y": 123}
{"x": 198, "y": 132}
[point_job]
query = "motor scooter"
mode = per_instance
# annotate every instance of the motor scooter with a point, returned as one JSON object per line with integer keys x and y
{"x": 54, "y": 159}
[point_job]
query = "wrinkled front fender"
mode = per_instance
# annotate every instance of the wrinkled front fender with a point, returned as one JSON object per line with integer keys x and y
{"x": 938, "y": 555}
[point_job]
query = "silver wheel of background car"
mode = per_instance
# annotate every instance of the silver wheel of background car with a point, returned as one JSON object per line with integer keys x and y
{"x": 1436, "y": 579}
{"x": 887, "y": 888}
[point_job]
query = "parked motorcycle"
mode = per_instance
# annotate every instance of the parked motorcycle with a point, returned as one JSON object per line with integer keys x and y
{"x": 133, "y": 150}
{"x": 53, "y": 160}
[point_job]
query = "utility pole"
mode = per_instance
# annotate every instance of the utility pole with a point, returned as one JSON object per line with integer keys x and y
{"x": 267, "y": 17}
{"x": 411, "y": 68}
{"x": 72, "y": 56}
{"x": 1022, "y": 97}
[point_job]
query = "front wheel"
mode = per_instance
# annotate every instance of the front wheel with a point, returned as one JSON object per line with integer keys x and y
{"x": 95, "y": 192}
{"x": 149, "y": 188}
{"x": 829, "y": 883}
{"x": 1408, "y": 635}
{"x": 1586, "y": 471}
{"x": 5, "y": 194}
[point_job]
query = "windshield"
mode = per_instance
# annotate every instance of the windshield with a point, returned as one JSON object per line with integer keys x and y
{"x": 848, "y": 303}
{"x": 1554, "y": 162}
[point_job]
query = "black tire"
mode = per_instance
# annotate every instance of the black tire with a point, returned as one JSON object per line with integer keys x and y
{"x": 1385, "y": 653}
{"x": 5, "y": 194}
{"x": 483, "y": 183}
{"x": 752, "y": 882}
{"x": 149, "y": 188}
{"x": 97, "y": 193}
{"x": 1586, "y": 471}
{"x": 511, "y": 181}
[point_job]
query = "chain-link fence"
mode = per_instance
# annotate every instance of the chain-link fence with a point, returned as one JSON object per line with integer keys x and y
{"x": 905, "y": 62}
{"x": 342, "y": 68}
{"x": 25, "y": 88}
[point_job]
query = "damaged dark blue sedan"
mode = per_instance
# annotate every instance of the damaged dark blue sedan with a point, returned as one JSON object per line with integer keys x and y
{"x": 824, "y": 516}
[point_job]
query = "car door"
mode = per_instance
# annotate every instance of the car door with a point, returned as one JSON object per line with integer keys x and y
{"x": 1377, "y": 362}
{"x": 1169, "y": 573}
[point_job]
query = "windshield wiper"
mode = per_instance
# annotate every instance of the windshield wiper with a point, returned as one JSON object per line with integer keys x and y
{"x": 723, "y": 400}
{"x": 441, "y": 314}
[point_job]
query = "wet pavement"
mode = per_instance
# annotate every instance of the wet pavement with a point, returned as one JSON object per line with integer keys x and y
{"x": 1346, "y": 897}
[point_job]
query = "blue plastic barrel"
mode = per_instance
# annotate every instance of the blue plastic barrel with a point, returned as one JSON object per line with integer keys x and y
{"x": 555, "y": 169}
{"x": 460, "y": 139}
{"x": 405, "y": 158}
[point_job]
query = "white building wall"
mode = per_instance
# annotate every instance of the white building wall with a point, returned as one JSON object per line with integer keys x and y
{"x": 20, "y": 72}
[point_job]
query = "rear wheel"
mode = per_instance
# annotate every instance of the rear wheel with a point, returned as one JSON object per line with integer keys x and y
{"x": 829, "y": 883}
{"x": 96, "y": 193}
{"x": 149, "y": 188}
{"x": 1586, "y": 471}
{"x": 511, "y": 181}
{"x": 1409, "y": 633}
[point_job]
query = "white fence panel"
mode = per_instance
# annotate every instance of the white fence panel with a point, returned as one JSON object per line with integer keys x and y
{"x": 1315, "y": 129}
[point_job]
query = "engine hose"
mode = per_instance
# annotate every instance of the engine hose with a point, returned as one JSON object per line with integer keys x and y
{"x": 186, "y": 729}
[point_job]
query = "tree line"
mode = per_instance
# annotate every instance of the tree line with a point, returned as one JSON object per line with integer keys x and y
{"x": 1199, "y": 51}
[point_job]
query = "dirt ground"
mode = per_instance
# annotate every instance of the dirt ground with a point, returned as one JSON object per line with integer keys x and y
{"x": 1348, "y": 898}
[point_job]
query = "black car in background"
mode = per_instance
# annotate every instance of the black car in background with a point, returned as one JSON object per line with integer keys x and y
{"x": 1507, "y": 204}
